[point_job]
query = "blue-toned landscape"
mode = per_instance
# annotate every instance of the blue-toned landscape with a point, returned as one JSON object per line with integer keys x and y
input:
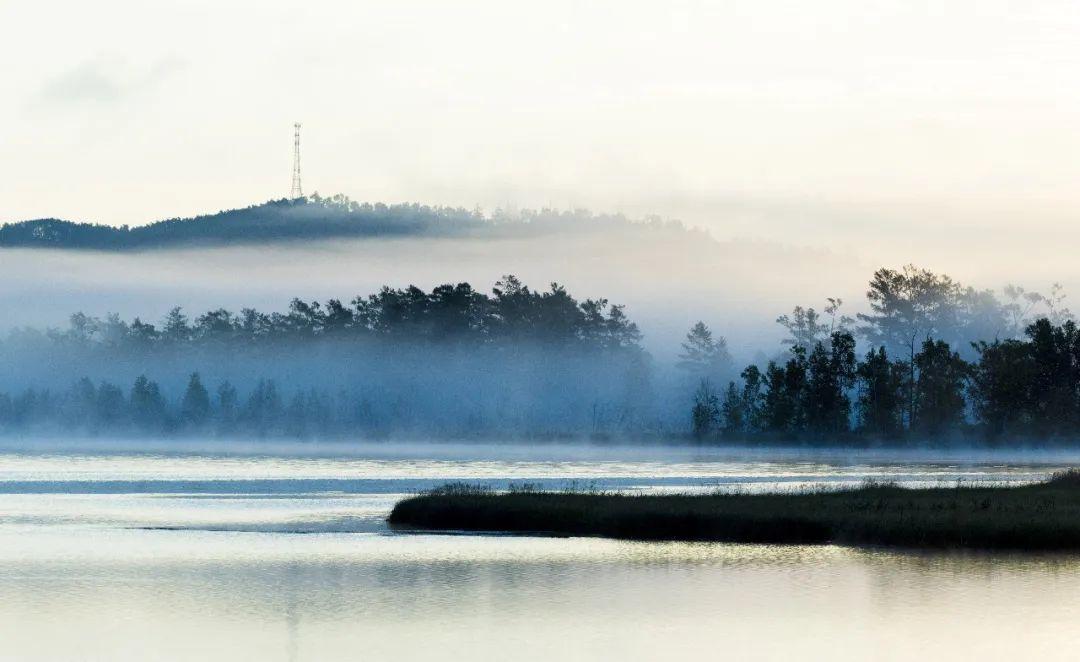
{"x": 477, "y": 330}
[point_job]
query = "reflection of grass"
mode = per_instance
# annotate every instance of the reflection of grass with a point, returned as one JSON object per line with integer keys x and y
{"x": 1043, "y": 516}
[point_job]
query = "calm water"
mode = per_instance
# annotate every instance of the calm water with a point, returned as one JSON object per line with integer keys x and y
{"x": 122, "y": 556}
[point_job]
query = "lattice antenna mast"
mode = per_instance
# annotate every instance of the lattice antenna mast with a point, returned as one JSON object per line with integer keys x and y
{"x": 297, "y": 190}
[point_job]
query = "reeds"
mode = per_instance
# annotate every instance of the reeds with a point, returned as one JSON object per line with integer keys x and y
{"x": 1043, "y": 516}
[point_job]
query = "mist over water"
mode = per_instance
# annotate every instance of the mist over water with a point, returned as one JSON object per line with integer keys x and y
{"x": 666, "y": 276}
{"x": 667, "y": 279}
{"x": 202, "y": 465}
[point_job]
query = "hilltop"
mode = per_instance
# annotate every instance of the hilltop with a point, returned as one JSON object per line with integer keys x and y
{"x": 309, "y": 218}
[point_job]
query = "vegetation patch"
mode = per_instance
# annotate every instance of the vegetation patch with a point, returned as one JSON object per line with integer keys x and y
{"x": 1042, "y": 516}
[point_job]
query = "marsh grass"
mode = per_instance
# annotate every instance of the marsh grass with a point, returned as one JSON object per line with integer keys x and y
{"x": 1042, "y": 516}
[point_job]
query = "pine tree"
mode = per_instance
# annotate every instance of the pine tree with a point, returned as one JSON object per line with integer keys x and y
{"x": 881, "y": 395}
{"x": 195, "y": 407}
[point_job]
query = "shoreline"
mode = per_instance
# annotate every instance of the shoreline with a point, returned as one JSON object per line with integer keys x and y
{"x": 550, "y": 450}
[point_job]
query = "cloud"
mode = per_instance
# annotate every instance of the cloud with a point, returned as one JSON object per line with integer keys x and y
{"x": 88, "y": 82}
{"x": 102, "y": 81}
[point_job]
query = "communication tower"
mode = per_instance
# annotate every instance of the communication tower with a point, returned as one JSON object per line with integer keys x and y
{"x": 297, "y": 190}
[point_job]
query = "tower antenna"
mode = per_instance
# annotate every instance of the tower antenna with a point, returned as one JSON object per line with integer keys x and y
{"x": 297, "y": 190}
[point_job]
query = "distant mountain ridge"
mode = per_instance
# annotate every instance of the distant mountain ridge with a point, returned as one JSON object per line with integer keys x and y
{"x": 301, "y": 219}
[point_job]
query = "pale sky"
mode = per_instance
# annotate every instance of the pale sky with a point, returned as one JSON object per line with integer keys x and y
{"x": 840, "y": 121}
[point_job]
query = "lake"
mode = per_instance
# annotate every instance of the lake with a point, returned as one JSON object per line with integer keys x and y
{"x": 276, "y": 553}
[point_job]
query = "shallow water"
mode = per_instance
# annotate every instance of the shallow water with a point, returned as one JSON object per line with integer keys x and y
{"x": 115, "y": 556}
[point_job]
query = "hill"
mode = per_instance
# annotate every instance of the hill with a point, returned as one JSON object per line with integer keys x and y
{"x": 300, "y": 219}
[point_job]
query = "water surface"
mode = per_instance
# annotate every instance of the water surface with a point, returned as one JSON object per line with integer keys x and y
{"x": 277, "y": 556}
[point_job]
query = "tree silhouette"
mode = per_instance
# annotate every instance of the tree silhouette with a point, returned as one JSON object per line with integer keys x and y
{"x": 702, "y": 355}
{"x": 195, "y": 407}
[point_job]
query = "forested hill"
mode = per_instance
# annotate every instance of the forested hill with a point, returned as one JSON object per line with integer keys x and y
{"x": 301, "y": 219}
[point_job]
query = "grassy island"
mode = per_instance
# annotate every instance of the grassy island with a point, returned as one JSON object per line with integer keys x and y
{"x": 1042, "y": 516}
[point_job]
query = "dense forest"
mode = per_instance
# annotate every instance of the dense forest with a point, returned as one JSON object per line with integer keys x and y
{"x": 308, "y": 218}
{"x": 928, "y": 361}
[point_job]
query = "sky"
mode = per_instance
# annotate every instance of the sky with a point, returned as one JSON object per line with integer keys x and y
{"x": 901, "y": 129}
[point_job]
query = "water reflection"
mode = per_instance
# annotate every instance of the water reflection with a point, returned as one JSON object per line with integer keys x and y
{"x": 212, "y": 595}
{"x": 94, "y": 576}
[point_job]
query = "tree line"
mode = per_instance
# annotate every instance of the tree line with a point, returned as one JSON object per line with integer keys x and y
{"x": 449, "y": 313}
{"x": 446, "y": 361}
{"x": 143, "y": 409}
{"x": 927, "y": 359}
{"x": 941, "y": 362}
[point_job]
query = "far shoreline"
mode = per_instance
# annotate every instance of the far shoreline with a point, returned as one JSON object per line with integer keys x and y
{"x": 568, "y": 450}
